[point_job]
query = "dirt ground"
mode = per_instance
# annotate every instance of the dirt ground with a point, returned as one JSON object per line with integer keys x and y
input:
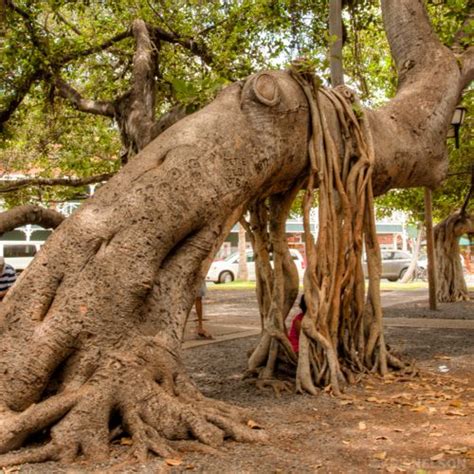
{"x": 400, "y": 424}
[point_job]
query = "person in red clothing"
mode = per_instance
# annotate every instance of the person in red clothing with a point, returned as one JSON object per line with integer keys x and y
{"x": 295, "y": 329}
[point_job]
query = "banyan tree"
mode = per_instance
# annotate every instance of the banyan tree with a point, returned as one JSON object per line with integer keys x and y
{"x": 92, "y": 330}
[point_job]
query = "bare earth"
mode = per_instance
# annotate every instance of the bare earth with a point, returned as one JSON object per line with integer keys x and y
{"x": 400, "y": 424}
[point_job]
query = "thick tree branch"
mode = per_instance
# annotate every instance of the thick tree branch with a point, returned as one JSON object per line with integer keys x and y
{"x": 73, "y": 182}
{"x": 145, "y": 70}
{"x": 412, "y": 40}
{"x": 93, "y": 49}
{"x": 29, "y": 214}
{"x": 196, "y": 47}
{"x": 96, "y": 107}
{"x": 23, "y": 86}
{"x": 166, "y": 120}
{"x": 135, "y": 110}
{"x": 467, "y": 66}
{"x": 416, "y": 121}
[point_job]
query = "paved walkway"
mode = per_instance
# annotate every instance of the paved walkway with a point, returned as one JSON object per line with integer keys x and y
{"x": 235, "y": 315}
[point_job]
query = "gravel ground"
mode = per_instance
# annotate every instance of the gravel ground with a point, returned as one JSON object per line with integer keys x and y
{"x": 400, "y": 424}
{"x": 460, "y": 310}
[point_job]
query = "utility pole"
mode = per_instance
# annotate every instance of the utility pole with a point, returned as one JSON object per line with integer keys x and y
{"x": 335, "y": 47}
{"x": 430, "y": 248}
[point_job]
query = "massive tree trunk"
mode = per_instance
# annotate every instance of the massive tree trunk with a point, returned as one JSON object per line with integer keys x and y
{"x": 95, "y": 324}
{"x": 91, "y": 332}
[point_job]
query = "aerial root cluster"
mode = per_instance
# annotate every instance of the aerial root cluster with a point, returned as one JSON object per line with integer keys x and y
{"x": 342, "y": 333}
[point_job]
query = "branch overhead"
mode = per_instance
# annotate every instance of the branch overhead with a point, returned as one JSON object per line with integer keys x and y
{"x": 95, "y": 107}
{"x": 73, "y": 182}
{"x": 29, "y": 214}
{"x": 196, "y": 47}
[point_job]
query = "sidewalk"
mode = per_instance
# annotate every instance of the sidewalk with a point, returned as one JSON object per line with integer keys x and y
{"x": 234, "y": 314}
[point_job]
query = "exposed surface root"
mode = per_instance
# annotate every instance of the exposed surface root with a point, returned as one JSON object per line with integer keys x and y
{"x": 157, "y": 406}
{"x": 278, "y": 386}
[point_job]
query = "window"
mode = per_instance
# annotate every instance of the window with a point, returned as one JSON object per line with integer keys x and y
{"x": 10, "y": 251}
{"x": 401, "y": 256}
{"x": 387, "y": 255}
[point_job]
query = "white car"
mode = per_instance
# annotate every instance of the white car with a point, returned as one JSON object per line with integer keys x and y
{"x": 227, "y": 270}
{"x": 394, "y": 264}
{"x": 19, "y": 253}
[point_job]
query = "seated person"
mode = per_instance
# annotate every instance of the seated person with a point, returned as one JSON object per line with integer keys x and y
{"x": 7, "y": 277}
{"x": 295, "y": 329}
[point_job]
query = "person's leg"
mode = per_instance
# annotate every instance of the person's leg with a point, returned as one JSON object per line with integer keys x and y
{"x": 200, "y": 326}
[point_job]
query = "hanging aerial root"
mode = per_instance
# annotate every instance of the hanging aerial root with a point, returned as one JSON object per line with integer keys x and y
{"x": 277, "y": 288}
{"x": 343, "y": 334}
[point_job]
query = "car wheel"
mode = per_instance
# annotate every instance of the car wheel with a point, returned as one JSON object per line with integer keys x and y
{"x": 402, "y": 273}
{"x": 226, "y": 277}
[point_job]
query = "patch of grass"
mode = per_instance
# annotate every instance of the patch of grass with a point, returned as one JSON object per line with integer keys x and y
{"x": 385, "y": 285}
{"x": 235, "y": 285}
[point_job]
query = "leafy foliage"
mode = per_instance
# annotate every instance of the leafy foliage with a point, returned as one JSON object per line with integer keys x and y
{"x": 90, "y": 45}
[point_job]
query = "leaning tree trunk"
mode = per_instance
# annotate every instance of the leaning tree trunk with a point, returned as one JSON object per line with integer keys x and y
{"x": 94, "y": 326}
{"x": 91, "y": 332}
{"x": 451, "y": 285}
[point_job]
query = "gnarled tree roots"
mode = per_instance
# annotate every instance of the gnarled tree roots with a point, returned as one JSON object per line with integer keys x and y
{"x": 143, "y": 392}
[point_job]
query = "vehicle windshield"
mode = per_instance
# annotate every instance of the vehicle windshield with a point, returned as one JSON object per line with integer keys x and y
{"x": 231, "y": 256}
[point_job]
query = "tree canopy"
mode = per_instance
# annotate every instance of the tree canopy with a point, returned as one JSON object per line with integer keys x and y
{"x": 64, "y": 63}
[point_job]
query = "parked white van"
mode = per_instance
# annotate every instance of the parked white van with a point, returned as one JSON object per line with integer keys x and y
{"x": 225, "y": 271}
{"x": 19, "y": 253}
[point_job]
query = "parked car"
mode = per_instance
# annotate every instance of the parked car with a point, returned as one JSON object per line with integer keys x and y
{"x": 423, "y": 263}
{"x": 226, "y": 270}
{"x": 19, "y": 253}
{"x": 394, "y": 264}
